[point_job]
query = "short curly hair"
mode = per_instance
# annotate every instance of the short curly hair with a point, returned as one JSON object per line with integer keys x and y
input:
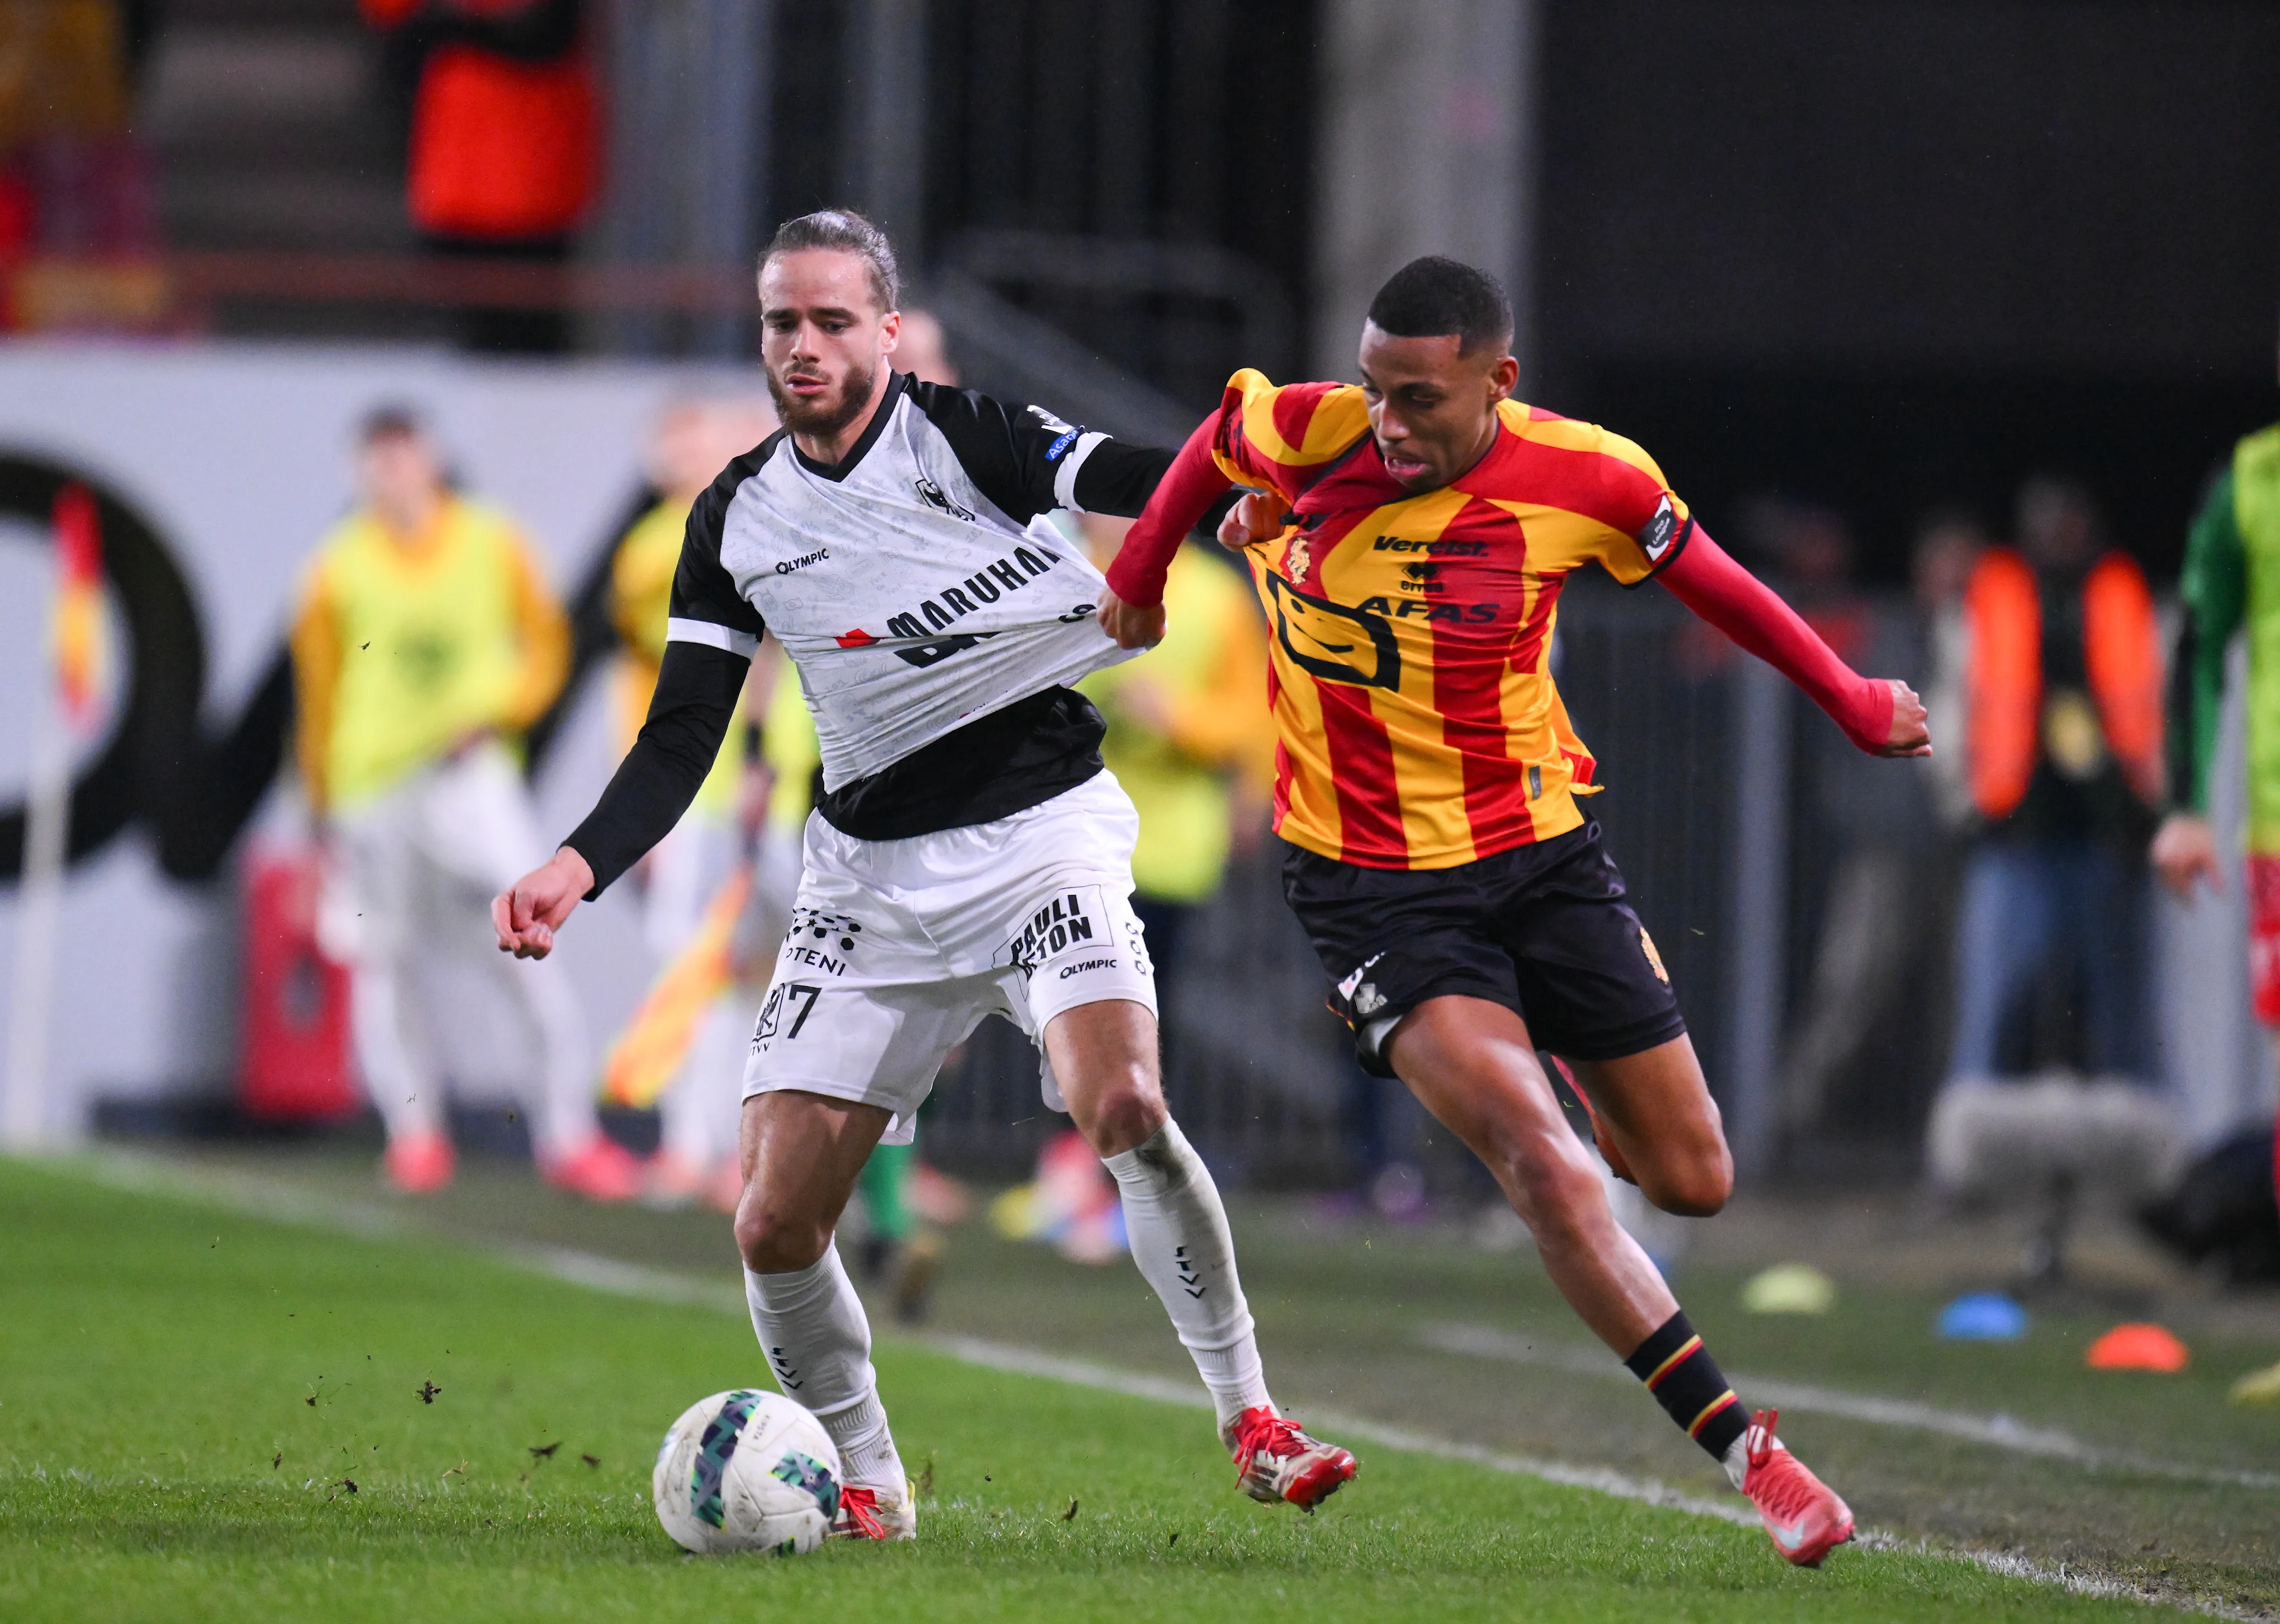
{"x": 845, "y": 231}
{"x": 1433, "y": 297}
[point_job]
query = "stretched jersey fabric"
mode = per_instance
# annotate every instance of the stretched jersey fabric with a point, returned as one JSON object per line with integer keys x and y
{"x": 906, "y": 582}
{"x": 1410, "y": 665}
{"x": 401, "y": 648}
{"x": 933, "y": 622}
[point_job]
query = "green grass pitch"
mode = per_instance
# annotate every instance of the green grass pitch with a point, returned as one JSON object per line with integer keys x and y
{"x": 186, "y": 1395}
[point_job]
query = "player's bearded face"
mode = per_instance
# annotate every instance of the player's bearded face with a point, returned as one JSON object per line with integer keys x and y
{"x": 1432, "y": 407}
{"x": 823, "y": 339}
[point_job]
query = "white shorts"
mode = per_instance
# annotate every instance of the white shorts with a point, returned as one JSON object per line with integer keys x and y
{"x": 424, "y": 860}
{"x": 899, "y": 948}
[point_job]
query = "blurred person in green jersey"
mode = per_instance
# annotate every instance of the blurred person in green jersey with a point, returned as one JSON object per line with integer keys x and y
{"x": 425, "y": 640}
{"x": 2231, "y": 583}
{"x": 696, "y": 1155}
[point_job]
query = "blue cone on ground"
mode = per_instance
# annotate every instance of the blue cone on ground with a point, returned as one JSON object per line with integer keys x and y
{"x": 1983, "y": 1316}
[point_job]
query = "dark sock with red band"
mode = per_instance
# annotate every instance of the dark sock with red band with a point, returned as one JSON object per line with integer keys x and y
{"x": 1688, "y": 1384}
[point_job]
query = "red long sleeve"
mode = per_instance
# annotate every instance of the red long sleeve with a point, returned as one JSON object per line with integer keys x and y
{"x": 1706, "y": 579}
{"x": 1187, "y": 490}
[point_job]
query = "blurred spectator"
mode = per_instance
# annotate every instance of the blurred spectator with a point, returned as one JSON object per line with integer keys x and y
{"x": 1947, "y": 551}
{"x": 505, "y": 141}
{"x": 923, "y": 350}
{"x": 424, "y": 638}
{"x": 2062, "y": 746}
{"x": 696, "y": 1156}
{"x": 76, "y": 207}
{"x": 1190, "y": 739}
{"x": 1869, "y": 827}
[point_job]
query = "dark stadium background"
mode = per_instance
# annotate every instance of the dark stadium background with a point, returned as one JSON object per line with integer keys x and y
{"x": 1883, "y": 259}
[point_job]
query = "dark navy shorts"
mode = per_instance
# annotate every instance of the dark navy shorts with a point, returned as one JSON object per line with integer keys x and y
{"x": 1541, "y": 929}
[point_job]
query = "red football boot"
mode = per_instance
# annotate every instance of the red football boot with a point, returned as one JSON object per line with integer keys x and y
{"x": 1802, "y": 1514}
{"x": 1275, "y": 1461}
{"x": 600, "y": 1170}
{"x": 417, "y": 1164}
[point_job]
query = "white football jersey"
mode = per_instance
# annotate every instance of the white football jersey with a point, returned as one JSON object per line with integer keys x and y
{"x": 915, "y": 586}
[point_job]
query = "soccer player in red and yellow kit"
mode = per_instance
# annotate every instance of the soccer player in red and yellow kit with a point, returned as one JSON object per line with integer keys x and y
{"x": 1409, "y": 539}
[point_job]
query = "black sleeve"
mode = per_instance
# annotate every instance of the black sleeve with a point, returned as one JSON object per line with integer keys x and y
{"x": 696, "y": 691}
{"x": 712, "y": 632}
{"x": 1029, "y": 462}
{"x": 1118, "y": 479}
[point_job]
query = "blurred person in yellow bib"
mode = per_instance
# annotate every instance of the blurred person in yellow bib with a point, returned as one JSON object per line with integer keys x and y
{"x": 424, "y": 639}
{"x": 701, "y": 1096}
{"x": 1191, "y": 740}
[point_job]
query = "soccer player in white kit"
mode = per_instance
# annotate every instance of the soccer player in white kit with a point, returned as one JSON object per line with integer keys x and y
{"x": 969, "y": 855}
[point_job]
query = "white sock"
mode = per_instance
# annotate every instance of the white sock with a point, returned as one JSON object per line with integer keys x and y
{"x": 1737, "y": 1459}
{"x": 818, "y": 1342}
{"x": 1179, "y": 1240}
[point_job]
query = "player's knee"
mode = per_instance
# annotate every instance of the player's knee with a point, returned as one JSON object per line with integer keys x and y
{"x": 774, "y": 1242}
{"x": 1560, "y": 1197}
{"x": 1125, "y": 1116}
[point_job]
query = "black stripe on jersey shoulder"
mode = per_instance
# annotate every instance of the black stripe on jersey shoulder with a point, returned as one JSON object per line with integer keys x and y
{"x": 1011, "y": 452}
{"x": 703, "y": 590}
{"x": 897, "y": 383}
{"x": 709, "y": 515}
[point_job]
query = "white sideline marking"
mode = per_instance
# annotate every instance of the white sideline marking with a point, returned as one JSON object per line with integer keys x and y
{"x": 261, "y": 1198}
{"x": 1996, "y": 1431}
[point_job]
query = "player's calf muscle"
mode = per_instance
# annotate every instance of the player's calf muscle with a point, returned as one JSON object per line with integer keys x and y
{"x": 802, "y": 1154}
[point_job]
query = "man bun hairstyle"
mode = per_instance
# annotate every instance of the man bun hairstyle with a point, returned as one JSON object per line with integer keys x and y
{"x": 846, "y": 232}
{"x": 1433, "y": 297}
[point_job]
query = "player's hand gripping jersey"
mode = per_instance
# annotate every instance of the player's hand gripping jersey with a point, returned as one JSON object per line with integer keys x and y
{"x": 1411, "y": 661}
{"x": 934, "y": 629}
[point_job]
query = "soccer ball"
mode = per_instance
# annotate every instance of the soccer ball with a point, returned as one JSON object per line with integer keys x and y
{"x": 746, "y": 1471}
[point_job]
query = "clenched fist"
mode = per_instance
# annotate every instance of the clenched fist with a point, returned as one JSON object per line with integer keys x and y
{"x": 526, "y": 917}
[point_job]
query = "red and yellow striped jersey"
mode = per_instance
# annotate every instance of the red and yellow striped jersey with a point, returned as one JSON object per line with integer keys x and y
{"x": 1410, "y": 666}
